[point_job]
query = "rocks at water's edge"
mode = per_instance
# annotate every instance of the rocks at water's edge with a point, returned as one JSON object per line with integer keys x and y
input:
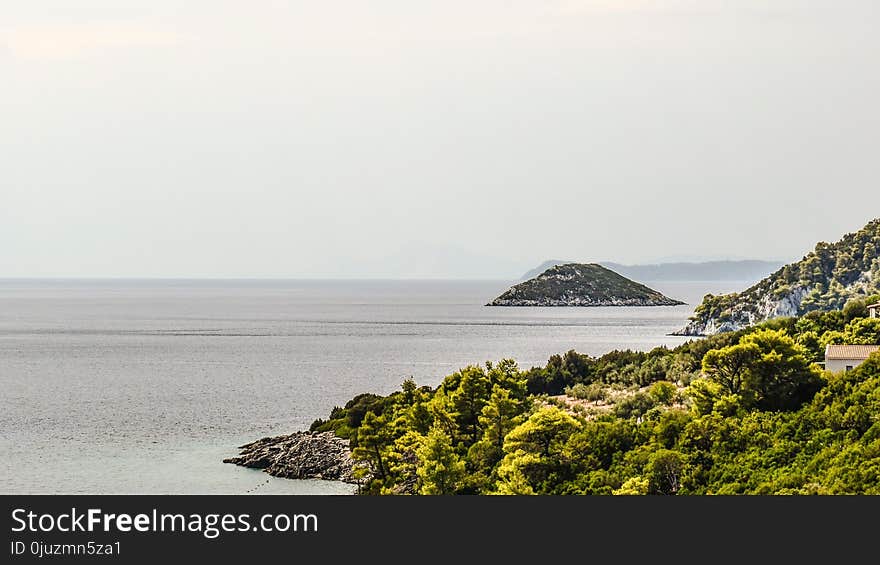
{"x": 300, "y": 455}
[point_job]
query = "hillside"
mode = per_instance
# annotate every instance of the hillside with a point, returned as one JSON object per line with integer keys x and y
{"x": 825, "y": 279}
{"x": 577, "y": 284}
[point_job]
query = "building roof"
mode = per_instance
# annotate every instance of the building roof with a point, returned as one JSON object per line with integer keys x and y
{"x": 849, "y": 351}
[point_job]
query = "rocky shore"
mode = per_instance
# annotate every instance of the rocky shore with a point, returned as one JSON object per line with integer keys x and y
{"x": 581, "y": 301}
{"x": 300, "y": 455}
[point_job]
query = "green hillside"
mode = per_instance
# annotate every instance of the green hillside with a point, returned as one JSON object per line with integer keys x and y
{"x": 825, "y": 279}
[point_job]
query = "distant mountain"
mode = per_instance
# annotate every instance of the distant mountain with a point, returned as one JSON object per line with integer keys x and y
{"x": 543, "y": 267}
{"x": 825, "y": 279}
{"x": 744, "y": 270}
{"x": 577, "y": 284}
{"x": 748, "y": 270}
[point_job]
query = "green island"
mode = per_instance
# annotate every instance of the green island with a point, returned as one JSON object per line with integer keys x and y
{"x": 581, "y": 284}
{"x": 743, "y": 412}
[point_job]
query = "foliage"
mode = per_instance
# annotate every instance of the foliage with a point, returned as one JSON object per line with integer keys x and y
{"x": 744, "y": 412}
{"x": 534, "y": 459}
{"x": 593, "y": 392}
{"x": 440, "y": 468}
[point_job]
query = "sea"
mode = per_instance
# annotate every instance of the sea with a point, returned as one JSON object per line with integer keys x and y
{"x": 145, "y": 386}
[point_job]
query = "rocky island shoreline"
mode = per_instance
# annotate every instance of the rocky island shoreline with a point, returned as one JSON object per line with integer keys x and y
{"x": 301, "y": 455}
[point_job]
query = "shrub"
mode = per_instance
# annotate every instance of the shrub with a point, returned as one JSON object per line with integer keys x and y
{"x": 593, "y": 392}
{"x": 663, "y": 392}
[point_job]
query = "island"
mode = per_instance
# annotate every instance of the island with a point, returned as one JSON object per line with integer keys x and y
{"x": 582, "y": 284}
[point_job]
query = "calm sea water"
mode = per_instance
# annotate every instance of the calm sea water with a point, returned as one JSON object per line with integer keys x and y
{"x": 145, "y": 386}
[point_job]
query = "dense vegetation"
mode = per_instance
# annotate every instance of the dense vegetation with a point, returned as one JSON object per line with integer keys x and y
{"x": 581, "y": 284}
{"x": 825, "y": 279}
{"x": 740, "y": 412}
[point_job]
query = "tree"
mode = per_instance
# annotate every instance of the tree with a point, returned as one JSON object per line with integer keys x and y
{"x": 597, "y": 444}
{"x": 357, "y": 408}
{"x": 371, "y": 439}
{"x": 633, "y": 486}
{"x": 579, "y": 367}
{"x": 831, "y": 337}
{"x": 864, "y": 331}
{"x": 634, "y": 406}
{"x": 501, "y": 415}
{"x": 440, "y": 469}
{"x": 410, "y": 391}
{"x": 551, "y": 379}
{"x": 419, "y": 417}
{"x": 663, "y": 392}
{"x": 703, "y": 394}
{"x": 402, "y": 464}
{"x": 507, "y": 375}
{"x": 468, "y": 401}
{"x": 767, "y": 370}
{"x": 855, "y": 308}
{"x": 728, "y": 366}
{"x": 440, "y": 410}
{"x": 665, "y": 472}
{"x": 535, "y": 452}
{"x": 781, "y": 378}
{"x": 810, "y": 341}
{"x": 593, "y": 392}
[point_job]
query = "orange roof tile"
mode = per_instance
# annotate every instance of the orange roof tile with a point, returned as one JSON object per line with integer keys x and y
{"x": 850, "y": 351}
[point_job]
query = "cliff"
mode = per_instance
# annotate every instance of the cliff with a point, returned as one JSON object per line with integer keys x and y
{"x": 825, "y": 279}
{"x": 577, "y": 284}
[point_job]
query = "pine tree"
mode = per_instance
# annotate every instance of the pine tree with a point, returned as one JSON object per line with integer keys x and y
{"x": 440, "y": 469}
{"x": 371, "y": 438}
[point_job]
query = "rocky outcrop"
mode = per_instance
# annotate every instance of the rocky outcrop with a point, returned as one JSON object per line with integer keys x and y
{"x": 300, "y": 455}
{"x": 579, "y": 284}
{"x": 743, "y": 315}
{"x": 825, "y": 279}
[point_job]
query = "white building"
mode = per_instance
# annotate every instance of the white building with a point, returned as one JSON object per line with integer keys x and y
{"x": 874, "y": 310}
{"x": 847, "y": 357}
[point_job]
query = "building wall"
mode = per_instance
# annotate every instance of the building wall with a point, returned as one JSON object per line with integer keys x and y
{"x": 837, "y": 365}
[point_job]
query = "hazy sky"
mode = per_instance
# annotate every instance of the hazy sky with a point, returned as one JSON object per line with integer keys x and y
{"x": 432, "y": 138}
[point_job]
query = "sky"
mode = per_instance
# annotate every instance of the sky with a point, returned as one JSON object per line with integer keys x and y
{"x": 431, "y": 139}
